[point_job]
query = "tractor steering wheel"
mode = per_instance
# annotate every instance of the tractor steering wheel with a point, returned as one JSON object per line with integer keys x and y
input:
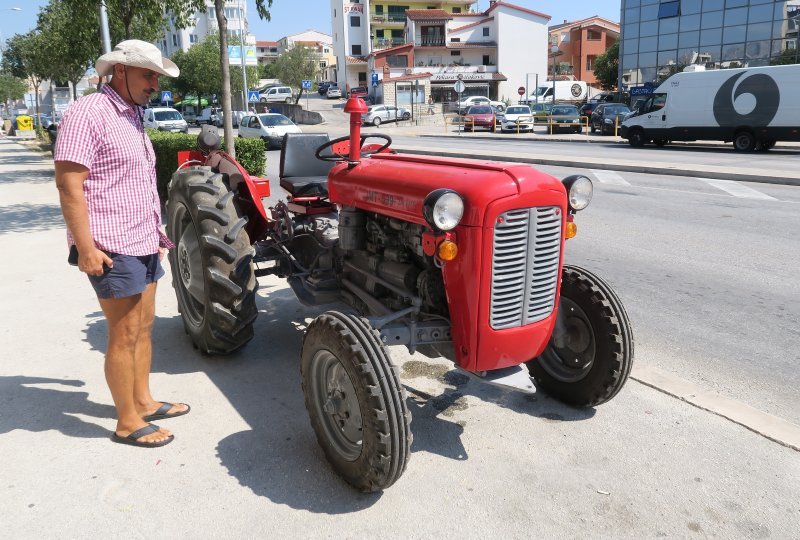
{"x": 339, "y": 157}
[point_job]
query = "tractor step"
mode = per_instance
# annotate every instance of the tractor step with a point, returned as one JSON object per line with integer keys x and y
{"x": 510, "y": 378}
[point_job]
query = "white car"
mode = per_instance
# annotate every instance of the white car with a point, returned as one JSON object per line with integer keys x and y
{"x": 277, "y": 94}
{"x": 517, "y": 117}
{"x": 165, "y": 119}
{"x": 480, "y": 100}
{"x": 333, "y": 92}
{"x": 270, "y": 127}
{"x": 377, "y": 114}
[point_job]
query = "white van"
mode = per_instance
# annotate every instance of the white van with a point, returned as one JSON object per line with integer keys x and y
{"x": 566, "y": 91}
{"x": 752, "y": 107}
{"x": 165, "y": 119}
{"x": 277, "y": 94}
{"x": 211, "y": 116}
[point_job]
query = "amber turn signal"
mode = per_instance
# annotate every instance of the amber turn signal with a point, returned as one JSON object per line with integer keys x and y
{"x": 572, "y": 229}
{"x": 447, "y": 250}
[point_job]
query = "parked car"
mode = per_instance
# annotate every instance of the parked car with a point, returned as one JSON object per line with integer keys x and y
{"x": 517, "y": 117}
{"x": 210, "y": 116}
{"x": 236, "y": 116}
{"x": 165, "y": 119}
{"x": 566, "y": 117}
{"x": 270, "y": 127}
{"x": 479, "y": 116}
{"x": 588, "y": 108}
{"x": 276, "y": 94}
{"x": 607, "y": 117}
{"x": 322, "y": 87}
{"x": 333, "y": 91}
{"x": 479, "y": 100}
{"x": 359, "y": 91}
{"x": 541, "y": 110}
{"x": 377, "y": 114}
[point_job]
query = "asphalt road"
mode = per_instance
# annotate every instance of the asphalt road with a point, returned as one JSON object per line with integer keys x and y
{"x": 484, "y": 462}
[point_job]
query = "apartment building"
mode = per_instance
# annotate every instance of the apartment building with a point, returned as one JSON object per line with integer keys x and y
{"x": 493, "y": 51}
{"x": 203, "y": 23}
{"x": 580, "y": 43}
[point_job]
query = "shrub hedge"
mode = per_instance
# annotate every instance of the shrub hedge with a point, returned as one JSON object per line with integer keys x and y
{"x": 249, "y": 152}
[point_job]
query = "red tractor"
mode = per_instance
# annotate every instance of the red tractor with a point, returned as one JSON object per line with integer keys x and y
{"x": 453, "y": 258}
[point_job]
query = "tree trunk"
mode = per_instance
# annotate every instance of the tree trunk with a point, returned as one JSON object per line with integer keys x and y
{"x": 226, "y": 78}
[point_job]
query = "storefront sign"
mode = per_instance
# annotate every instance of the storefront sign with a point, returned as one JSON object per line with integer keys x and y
{"x": 354, "y": 8}
{"x": 452, "y": 77}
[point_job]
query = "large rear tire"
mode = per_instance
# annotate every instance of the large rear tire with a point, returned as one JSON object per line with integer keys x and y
{"x": 590, "y": 353}
{"x": 636, "y": 138}
{"x": 355, "y": 400}
{"x": 212, "y": 268}
{"x": 744, "y": 141}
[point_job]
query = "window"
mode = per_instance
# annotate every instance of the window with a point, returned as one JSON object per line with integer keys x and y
{"x": 355, "y": 21}
{"x": 455, "y": 40}
{"x": 485, "y": 32}
{"x": 379, "y": 33}
{"x": 362, "y": 78}
{"x": 323, "y": 64}
{"x": 669, "y": 9}
{"x": 397, "y": 61}
{"x": 593, "y": 35}
{"x": 378, "y": 10}
{"x": 590, "y": 62}
{"x": 486, "y": 60}
{"x": 456, "y": 10}
{"x": 355, "y": 50}
{"x": 455, "y": 53}
{"x": 192, "y": 38}
{"x": 174, "y": 40}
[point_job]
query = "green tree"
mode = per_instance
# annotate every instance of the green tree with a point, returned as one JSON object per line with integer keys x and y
{"x": 11, "y": 87}
{"x": 295, "y": 65}
{"x": 787, "y": 56}
{"x": 143, "y": 19}
{"x": 27, "y": 58}
{"x": 606, "y": 67}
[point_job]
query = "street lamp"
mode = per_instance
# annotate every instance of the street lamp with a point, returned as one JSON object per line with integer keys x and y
{"x": 244, "y": 69}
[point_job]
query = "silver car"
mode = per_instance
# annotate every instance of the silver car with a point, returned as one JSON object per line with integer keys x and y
{"x": 378, "y": 114}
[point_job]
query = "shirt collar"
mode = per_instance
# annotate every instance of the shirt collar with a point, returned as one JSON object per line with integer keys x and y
{"x": 117, "y": 100}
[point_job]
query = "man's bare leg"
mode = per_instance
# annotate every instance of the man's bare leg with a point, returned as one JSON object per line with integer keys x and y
{"x": 124, "y": 316}
{"x": 143, "y": 359}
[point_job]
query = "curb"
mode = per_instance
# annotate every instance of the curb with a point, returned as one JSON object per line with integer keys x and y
{"x": 624, "y": 167}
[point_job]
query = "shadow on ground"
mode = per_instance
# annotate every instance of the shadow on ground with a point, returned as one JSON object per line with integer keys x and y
{"x": 30, "y": 217}
{"x": 28, "y": 177}
{"x": 55, "y": 407}
{"x": 279, "y": 457}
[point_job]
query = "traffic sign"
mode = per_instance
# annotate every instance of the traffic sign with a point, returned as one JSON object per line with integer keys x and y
{"x": 166, "y": 96}
{"x": 307, "y": 85}
{"x": 252, "y": 96}
{"x": 459, "y": 86}
{"x": 521, "y": 90}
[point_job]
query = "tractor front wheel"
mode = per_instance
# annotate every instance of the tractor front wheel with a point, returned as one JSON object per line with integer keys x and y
{"x": 355, "y": 400}
{"x": 212, "y": 268}
{"x": 590, "y": 353}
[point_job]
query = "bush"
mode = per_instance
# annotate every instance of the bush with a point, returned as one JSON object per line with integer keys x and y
{"x": 249, "y": 153}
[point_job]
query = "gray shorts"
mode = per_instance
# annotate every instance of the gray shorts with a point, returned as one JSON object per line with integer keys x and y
{"x": 129, "y": 275}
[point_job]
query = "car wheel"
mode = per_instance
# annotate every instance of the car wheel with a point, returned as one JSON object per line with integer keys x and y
{"x": 262, "y": 100}
{"x": 744, "y": 142}
{"x": 288, "y": 100}
{"x": 406, "y": 116}
{"x": 636, "y": 138}
{"x": 376, "y": 121}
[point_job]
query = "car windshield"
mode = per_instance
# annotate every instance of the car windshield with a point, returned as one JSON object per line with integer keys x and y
{"x": 617, "y": 109}
{"x": 565, "y": 111}
{"x": 272, "y": 120}
{"x": 518, "y": 110}
{"x": 480, "y": 110}
{"x": 162, "y": 116}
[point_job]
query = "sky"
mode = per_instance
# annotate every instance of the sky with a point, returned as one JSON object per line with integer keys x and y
{"x": 288, "y": 17}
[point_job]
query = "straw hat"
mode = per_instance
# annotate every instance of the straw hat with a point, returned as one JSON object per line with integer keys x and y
{"x": 136, "y": 53}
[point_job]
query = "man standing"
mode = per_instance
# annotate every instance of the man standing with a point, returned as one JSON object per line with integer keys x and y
{"x": 106, "y": 178}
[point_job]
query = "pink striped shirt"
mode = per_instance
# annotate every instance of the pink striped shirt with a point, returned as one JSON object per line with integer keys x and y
{"x": 106, "y": 135}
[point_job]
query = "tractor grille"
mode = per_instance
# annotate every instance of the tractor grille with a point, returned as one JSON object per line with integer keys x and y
{"x": 525, "y": 258}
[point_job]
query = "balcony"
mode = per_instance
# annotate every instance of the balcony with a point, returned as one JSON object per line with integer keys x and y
{"x": 388, "y": 20}
{"x": 430, "y": 41}
{"x": 386, "y": 43}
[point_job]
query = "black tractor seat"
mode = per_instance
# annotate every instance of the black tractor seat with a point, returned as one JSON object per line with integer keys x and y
{"x": 301, "y": 173}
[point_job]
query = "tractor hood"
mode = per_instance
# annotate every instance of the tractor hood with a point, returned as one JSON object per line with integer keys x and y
{"x": 396, "y": 185}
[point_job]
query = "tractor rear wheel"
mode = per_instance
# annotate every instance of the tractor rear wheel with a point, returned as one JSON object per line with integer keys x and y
{"x": 212, "y": 268}
{"x": 355, "y": 400}
{"x": 590, "y": 353}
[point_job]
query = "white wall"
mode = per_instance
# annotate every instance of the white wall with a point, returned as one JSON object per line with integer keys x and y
{"x": 340, "y": 43}
{"x": 521, "y": 48}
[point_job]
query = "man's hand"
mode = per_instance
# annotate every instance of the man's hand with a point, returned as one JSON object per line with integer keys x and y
{"x": 162, "y": 252}
{"x": 92, "y": 261}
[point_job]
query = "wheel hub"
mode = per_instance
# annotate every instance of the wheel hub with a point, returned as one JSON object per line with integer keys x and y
{"x": 337, "y": 398}
{"x": 572, "y": 344}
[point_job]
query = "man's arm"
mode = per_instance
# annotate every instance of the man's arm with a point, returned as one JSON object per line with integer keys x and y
{"x": 69, "y": 181}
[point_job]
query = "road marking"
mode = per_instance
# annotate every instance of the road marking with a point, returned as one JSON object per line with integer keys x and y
{"x": 609, "y": 177}
{"x": 769, "y": 426}
{"x": 737, "y": 190}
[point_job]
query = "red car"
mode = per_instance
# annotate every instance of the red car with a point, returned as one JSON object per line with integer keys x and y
{"x": 479, "y": 116}
{"x": 359, "y": 91}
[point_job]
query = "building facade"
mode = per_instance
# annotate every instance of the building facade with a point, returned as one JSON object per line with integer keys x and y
{"x": 579, "y": 44}
{"x": 491, "y": 50}
{"x": 204, "y": 23}
{"x": 660, "y": 38}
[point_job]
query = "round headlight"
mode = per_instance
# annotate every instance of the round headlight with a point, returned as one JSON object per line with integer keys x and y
{"x": 579, "y": 191}
{"x": 443, "y": 209}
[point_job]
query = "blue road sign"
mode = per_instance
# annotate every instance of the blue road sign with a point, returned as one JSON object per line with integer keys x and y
{"x": 375, "y": 78}
{"x": 307, "y": 85}
{"x": 641, "y": 90}
{"x": 166, "y": 96}
{"x": 252, "y": 96}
